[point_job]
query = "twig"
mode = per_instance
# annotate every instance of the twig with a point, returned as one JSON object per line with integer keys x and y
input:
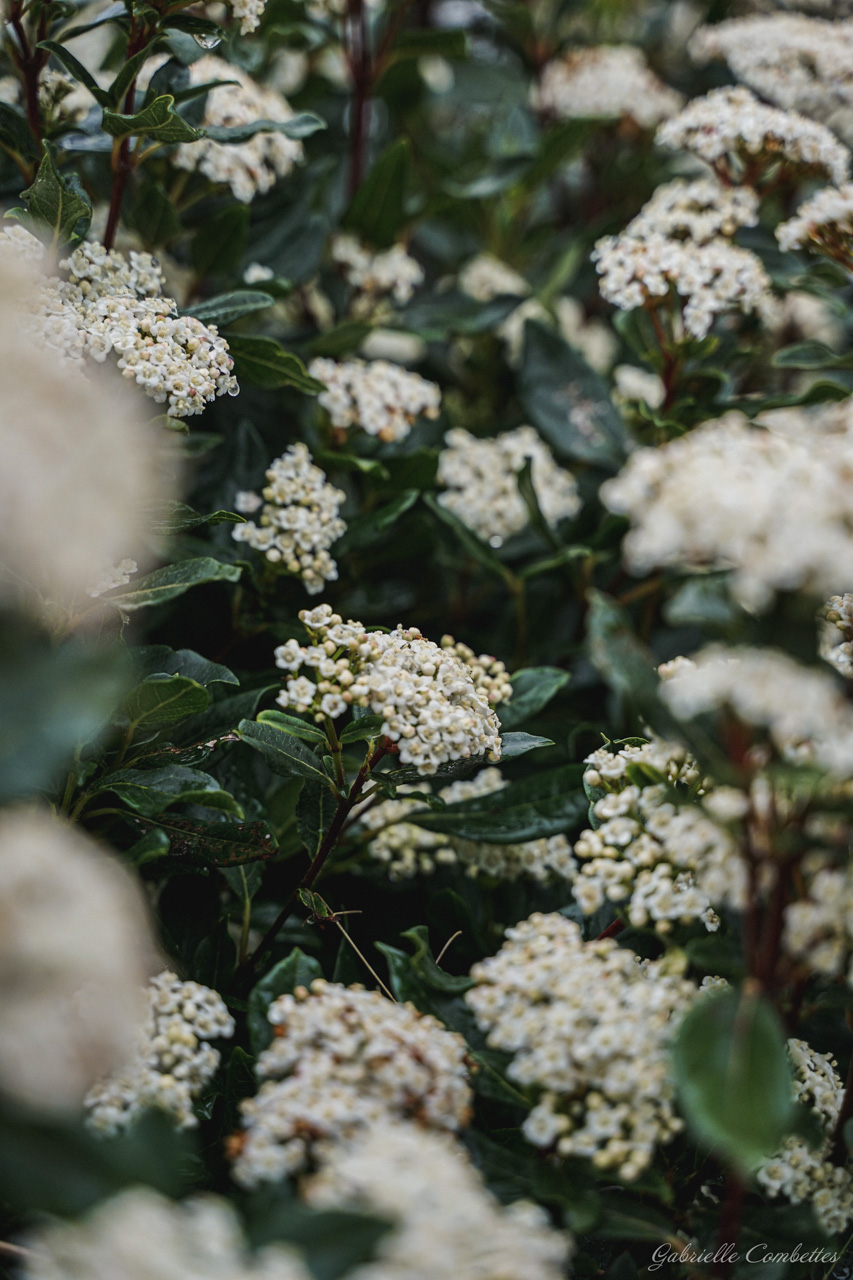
{"x": 366, "y": 962}
{"x": 456, "y": 935}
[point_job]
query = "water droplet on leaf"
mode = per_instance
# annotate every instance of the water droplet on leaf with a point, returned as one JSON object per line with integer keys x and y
{"x": 208, "y": 42}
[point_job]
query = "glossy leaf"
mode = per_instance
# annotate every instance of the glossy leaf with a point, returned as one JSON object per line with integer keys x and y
{"x": 166, "y": 584}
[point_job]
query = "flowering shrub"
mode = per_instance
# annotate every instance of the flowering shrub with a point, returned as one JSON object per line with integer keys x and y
{"x": 426, "y": 639}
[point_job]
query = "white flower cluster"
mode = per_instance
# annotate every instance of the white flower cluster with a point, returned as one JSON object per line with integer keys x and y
{"x": 61, "y": 99}
{"x": 803, "y": 710}
{"x": 140, "y": 1235}
{"x": 408, "y": 850}
{"x": 485, "y": 278}
{"x": 699, "y": 210}
{"x": 824, "y": 223}
{"x": 250, "y": 13}
{"x": 605, "y": 82}
{"x": 799, "y": 1173}
{"x": 798, "y": 63}
{"x": 75, "y": 948}
{"x": 738, "y": 136}
{"x": 342, "y": 1060}
{"x": 113, "y": 576}
{"x": 819, "y": 926}
{"x": 108, "y": 304}
{"x": 445, "y": 1222}
{"x": 711, "y": 278}
{"x": 656, "y": 847}
{"x": 392, "y": 272}
{"x": 298, "y": 519}
{"x": 836, "y": 634}
{"x": 774, "y": 505}
{"x": 482, "y": 486}
{"x": 437, "y": 702}
{"x": 380, "y": 398}
{"x": 73, "y": 485}
{"x": 631, "y": 383}
{"x": 249, "y": 168}
{"x": 590, "y": 1026}
{"x": 173, "y": 1060}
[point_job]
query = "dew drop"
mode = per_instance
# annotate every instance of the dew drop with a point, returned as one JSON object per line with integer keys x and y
{"x": 208, "y": 42}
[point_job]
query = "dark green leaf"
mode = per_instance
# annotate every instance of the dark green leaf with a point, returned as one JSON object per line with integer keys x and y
{"x": 129, "y": 71}
{"x": 377, "y": 212}
{"x": 152, "y": 214}
{"x": 150, "y": 792}
{"x": 469, "y": 541}
{"x": 362, "y": 730}
{"x": 239, "y": 1084}
{"x": 157, "y": 120}
{"x": 315, "y": 810}
{"x": 229, "y": 306}
{"x": 265, "y": 362}
{"x": 215, "y": 844}
{"x": 514, "y": 745}
{"x": 542, "y": 805}
{"x": 298, "y": 126}
{"x": 76, "y": 69}
{"x": 532, "y": 689}
{"x": 284, "y": 754}
{"x": 177, "y": 517}
{"x": 58, "y": 1166}
{"x": 220, "y": 240}
{"x": 568, "y": 402}
{"x": 292, "y": 724}
{"x": 153, "y": 845}
{"x": 364, "y": 529}
{"x": 52, "y": 700}
{"x": 164, "y": 699}
{"x": 733, "y": 1077}
{"x": 298, "y": 970}
{"x": 173, "y": 580}
{"x": 159, "y": 659}
{"x": 59, "y": 203}
{"x": 810, "y": 355}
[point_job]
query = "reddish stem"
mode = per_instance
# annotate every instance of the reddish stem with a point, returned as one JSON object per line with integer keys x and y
{"x": 122, "y": 163}
{"x": 30, "y": 62}
{"x": 345, "y": 806}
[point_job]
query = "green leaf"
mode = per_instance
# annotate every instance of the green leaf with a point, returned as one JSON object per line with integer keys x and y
{"x": 152, "y": 214}
{"x": 532, "y": 689}
{"x": 543, "y": 805}
{"x": 514, "y": 745}
{"x": 334, "y": 1243}
{"x": 152, "y": 791}
{"x": 264, "y": 362}
{"x": 469, "y": 541}
{"x": 239, "y": 1084}
{"x": 221, "y": 717}
{"x": 284, "y": 754}
{"x": 15, "y": 131}
{"x": 292, "y": 724}
{"x": 176, "y": 517}
{"x": 444, "y": 43}
{"x": 153, "y": 845}
{"x": 229, "y": 306}
{"x": 810, "y": 355}
{"x": 157, "y": 120}
{"x": 173, "y": 580}
{"x": 58, "y": 202}
{"x": 52, "y": 700}
{"x": 215, "y": 844}
{"x": 244, "y": 880}
{"x": 219, "y": 243}
{"x": 76, "y": 69}
{"x": 298, "y": 970}
{"x": 58, "y": 1166}
{"x": 164, "y": 699}
{"x": 617, "y": 654}
{"x": 298, "y": 126}
{"x": 733, "y": 1077}
{"x": 423, "y": 962}
{"x": 568, "y": 402}
{"x": 159, "y": 659}
{"x": 377, "y": 212}
{"x": 362, "y": 730}
{"x": 130, "y": 69}
{"x": 315, "y": 809}
{"x": 365, "y": 529}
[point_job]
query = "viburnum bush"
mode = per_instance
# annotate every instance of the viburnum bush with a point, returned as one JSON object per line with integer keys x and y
{"x": 426, "y": 639}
